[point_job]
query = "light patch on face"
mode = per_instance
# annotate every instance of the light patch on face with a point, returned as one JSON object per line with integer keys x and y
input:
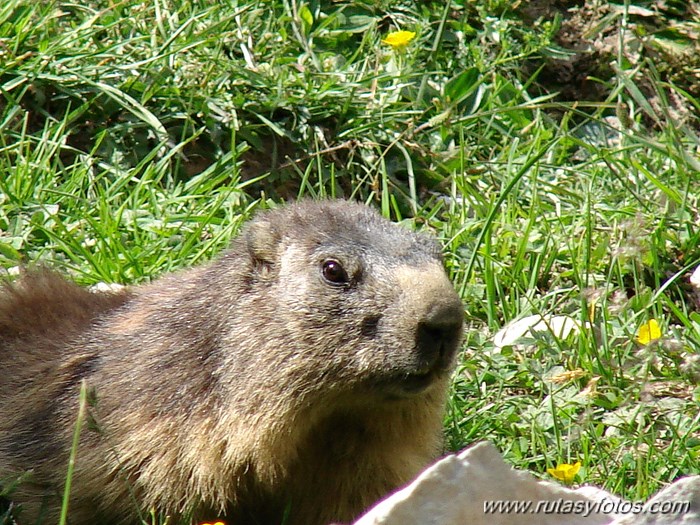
{"x": 295, "y": 272}
{"x": 424, "y": 277}
{"x": 365, "y": 358}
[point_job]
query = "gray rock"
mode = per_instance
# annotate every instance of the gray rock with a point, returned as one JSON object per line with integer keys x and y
{"x": 677, "y": 504}
{"x": 477, "y": 487}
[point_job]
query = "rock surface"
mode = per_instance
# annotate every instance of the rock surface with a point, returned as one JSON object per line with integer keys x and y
{"x": 458, "y": 490}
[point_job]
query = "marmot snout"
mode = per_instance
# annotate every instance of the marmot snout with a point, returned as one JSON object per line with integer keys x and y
{"x": 302, "y": 374}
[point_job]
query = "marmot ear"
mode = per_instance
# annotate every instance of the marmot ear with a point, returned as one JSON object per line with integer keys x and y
{"x": 262, "y": 239}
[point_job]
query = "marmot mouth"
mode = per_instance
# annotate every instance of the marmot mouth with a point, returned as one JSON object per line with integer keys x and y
{"x": 413, "y": 383}
{"x": 417, "y": 382}
{"x": 416, "y": 379}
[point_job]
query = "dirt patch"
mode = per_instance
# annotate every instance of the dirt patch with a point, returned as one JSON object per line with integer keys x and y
{"x": 652, "y": 43}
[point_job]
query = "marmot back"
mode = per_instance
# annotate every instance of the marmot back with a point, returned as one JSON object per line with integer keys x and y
{"x": 301, "y": 374}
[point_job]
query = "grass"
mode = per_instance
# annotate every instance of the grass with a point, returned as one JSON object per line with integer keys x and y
{"x": 135, "y": 139}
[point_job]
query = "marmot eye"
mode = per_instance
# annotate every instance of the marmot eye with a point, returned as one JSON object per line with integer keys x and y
{"x": 334, "y": 273}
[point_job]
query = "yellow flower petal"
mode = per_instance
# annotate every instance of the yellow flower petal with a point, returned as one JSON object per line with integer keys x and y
{"x": 565, "y": 472}
{"x": 398, "y": 39}
{"x": 649, "y": 332}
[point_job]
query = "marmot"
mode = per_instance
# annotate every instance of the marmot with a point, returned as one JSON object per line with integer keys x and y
{"x": 298, "y": 378}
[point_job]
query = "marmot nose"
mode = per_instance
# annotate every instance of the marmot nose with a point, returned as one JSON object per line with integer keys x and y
{"x": 439, "y": 332}
{"x": 434, "y": 316}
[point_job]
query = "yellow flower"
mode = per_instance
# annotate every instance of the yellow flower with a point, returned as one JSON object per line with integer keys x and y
{"x": 215, "y": 523}
{"x": 649, "y": 332}
{"x": 398, "y": 39}
{"x": 565, "y": 472}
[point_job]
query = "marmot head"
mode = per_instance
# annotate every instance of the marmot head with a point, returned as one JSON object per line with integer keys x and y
{"x": 365, "y": 303}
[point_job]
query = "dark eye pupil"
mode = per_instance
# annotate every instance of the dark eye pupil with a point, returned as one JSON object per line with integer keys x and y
{"x": 333, "y": 272}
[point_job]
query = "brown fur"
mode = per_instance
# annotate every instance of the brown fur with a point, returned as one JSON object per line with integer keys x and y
{"x": 249, "y": 387}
